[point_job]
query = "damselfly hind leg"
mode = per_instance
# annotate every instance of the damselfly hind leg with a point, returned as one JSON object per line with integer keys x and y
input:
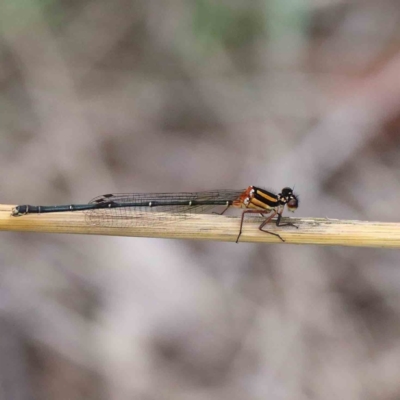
{"x": 277, "y": 224}
{"x": 223, "y": 211}
{"x": 271, "y": 233}
{"x": 264, "y": 222}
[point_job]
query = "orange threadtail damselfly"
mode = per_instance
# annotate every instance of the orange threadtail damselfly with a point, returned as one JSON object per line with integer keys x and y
{"x": 122, "y": 210}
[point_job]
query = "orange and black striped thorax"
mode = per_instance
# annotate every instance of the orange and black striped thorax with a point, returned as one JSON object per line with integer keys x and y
{"x": 258, "y": 199}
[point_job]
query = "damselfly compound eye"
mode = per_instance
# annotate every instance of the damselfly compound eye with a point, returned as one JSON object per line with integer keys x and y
{"x": 292, "y": 204}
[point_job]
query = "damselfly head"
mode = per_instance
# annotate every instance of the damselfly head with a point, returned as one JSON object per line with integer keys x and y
{"x": 290, "y": 199}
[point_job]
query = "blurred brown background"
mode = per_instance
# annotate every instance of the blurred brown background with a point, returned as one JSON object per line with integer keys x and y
{"x": 107, "y": 96}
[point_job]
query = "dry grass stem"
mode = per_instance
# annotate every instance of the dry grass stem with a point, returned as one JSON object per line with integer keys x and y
{"x": 319, "y": 231}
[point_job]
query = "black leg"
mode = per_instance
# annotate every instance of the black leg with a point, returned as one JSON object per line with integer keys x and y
{"x": 277, "y": 224}
{"x": 257, "y": 212}
{"x": 214, "y": 212}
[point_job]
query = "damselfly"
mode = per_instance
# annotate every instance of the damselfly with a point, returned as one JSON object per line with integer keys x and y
{"x": 122, "y": 210}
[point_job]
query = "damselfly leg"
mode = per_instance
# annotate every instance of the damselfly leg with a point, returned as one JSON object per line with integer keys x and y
{"x": 264, "y": 222}
{"x": 278, "y": 223}
{"x": 223, "y": 211}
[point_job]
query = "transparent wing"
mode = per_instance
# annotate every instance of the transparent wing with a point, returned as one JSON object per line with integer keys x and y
{"x": 138, "y": 212}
